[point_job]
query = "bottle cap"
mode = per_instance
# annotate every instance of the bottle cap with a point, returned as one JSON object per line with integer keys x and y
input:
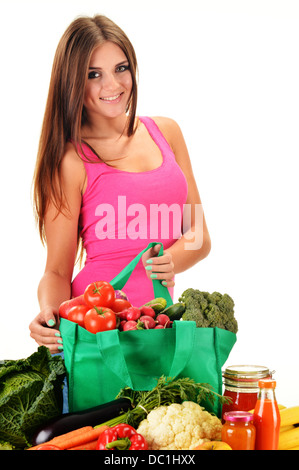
{"x": 267, "y": 383}
{"x": 238, "y": 416}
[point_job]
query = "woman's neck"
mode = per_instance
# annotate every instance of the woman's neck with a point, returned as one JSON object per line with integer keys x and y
{"x": 105, "y": 129}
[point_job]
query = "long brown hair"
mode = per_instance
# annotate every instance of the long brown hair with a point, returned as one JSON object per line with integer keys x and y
{"x": 64, "y": 113}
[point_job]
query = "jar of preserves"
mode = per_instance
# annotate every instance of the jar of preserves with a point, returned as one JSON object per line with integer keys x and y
{"x": 238, "y": 430}
{"x": 241, "y": 386}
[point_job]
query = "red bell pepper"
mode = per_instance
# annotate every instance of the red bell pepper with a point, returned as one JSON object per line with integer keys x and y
{"x": 121, "y": 437}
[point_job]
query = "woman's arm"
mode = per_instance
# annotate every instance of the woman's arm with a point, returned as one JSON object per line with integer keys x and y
{"x": 61, "y": 230}
{"x": 195, "y": 243}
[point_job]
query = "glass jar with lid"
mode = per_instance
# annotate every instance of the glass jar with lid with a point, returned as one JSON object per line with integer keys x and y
{"x": 238, "y": 430}
{"x": 241, "y": 386}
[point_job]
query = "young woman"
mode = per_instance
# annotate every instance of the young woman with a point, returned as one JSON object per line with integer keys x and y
{"x": 108, "y": 179}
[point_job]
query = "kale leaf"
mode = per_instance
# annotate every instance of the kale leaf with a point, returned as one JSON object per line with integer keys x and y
{"x": 30, "y": 394}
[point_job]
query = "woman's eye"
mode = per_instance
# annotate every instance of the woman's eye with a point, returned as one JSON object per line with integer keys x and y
{"x": 122, "y": 68}
{"x": 93, "y": 74}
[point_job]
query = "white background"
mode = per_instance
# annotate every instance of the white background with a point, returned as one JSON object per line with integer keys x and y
{"x": 228, "y": 72}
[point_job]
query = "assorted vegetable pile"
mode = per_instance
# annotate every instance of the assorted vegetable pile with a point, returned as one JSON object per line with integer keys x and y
{"x": 130, "y": 410}
{"x": 102, "y": 308}
{"x": 165, "y": 393}
{"x": 31, "y": 411}
{"x": 170, "y": 416}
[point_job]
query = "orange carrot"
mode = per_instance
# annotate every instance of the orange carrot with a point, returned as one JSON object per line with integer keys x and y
{"x": 69, "y": 435}
{"x": 75, "y": 438}
{"x": 88, "y": 446}
{"x": 82, "y": 438}
{"x": 55, "y": 441}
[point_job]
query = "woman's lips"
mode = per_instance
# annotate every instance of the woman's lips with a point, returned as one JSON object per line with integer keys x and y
{"x": 112, "y": 99}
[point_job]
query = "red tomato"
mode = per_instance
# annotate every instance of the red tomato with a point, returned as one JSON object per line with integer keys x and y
{"x": 77, "y": 314}
{"x": 99, "y": 319}
{"x": 120, "y": 304}
{"x": 99, "y": 293}
{"x": 47, "y": 447}
{"x": 68, "y": 304}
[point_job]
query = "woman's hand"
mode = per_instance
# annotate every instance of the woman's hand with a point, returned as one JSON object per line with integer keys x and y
{"x": 159, "y": 267}
{"x": 44, "y": 330}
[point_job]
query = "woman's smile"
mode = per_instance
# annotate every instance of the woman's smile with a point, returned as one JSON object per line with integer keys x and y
{"x": 112, "y": 99}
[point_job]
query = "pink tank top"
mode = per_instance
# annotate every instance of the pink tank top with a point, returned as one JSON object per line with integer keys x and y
{"x": 123, "y": 211}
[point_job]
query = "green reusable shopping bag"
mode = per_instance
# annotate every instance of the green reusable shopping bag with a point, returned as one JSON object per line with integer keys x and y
{"x": 99, "y": 365}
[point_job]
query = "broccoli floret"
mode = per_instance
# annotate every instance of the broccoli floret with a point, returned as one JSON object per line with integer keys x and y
{"x": 232, "y": 325}
{"x": 209, "y": 310}
{"x": 215, "y": 316}
{"x": 196, "y": 303}
{"x": 226, "y": 304}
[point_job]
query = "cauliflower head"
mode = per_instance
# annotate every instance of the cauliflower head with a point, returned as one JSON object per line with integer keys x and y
{"x": 179, "y": 427}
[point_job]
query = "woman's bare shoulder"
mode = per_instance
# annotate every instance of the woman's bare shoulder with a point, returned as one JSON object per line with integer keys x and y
{"x": 170, "y": 129}
{"x": 166, "y": 123}
{"x": 72, "y": 165}
{"x": 70, "y": 153}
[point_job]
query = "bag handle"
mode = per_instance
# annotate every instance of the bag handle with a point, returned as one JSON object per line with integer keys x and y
{"x": 112, "y": 353}
{"x": 159, "y": 290}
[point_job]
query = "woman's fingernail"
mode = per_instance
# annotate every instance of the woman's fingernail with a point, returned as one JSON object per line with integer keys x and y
{"x": 149, "y": 261}
{"x": 51, "y": 322}
{"x": 153, "y": 276}
{"x": 164, "y": 283}
{"x": 59, "y": 341}
{"x": 60, "y": 347}
{"x": 57, "y": 334}
{"x": 148, "y": 268}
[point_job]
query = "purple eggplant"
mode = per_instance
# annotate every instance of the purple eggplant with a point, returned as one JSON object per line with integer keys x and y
{"x": 90, "y": 417}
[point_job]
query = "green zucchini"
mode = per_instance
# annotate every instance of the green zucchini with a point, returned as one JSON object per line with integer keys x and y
{"x": 175, "y": 311}
{"x": 157, "y": 304}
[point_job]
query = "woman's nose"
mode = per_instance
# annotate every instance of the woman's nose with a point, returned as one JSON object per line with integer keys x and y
{"x": 110, "y": 81}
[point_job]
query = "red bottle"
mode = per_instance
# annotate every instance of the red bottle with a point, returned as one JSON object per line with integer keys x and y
{"x": 266, "y": 417}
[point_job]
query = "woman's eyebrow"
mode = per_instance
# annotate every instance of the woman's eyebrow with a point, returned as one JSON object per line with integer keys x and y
{"x": 117, "y": 65}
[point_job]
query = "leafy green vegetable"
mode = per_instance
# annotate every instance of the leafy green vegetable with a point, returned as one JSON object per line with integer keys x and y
{"x": 209, "y": 310}
{"x": 30, "y": 394}
{"x": 167, "y": 391}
